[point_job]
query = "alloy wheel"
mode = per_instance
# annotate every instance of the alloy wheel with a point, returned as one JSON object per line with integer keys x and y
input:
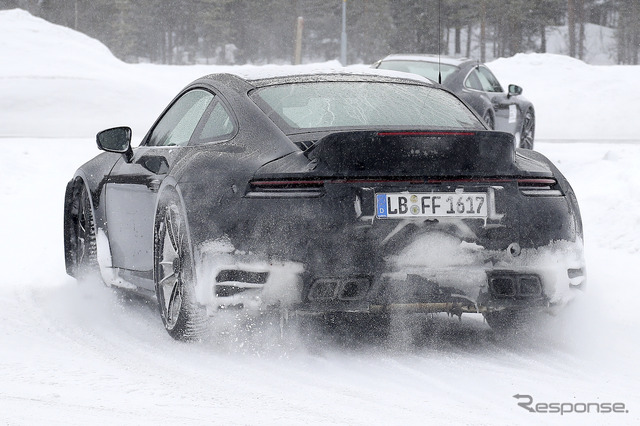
{"x": 171, "y": 267}
{"x": 528, "y": 130}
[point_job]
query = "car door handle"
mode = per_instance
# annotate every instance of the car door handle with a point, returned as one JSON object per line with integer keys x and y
{"x": 154, "y": 185}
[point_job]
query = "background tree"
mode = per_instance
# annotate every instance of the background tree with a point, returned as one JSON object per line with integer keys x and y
{"x": 416, "y": 25}
{"x": 370, "y": 23}
{"x": 628, "y": 31}
{"x": 458, "y": 14}
{"x": 545, "y": 13}
{"x": 241, "y": 31}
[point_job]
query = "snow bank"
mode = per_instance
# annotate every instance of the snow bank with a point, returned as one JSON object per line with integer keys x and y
{"x": 599, "y": 48}
{"x": 34, "y": 47}
{"x": 573, "y": 100}
{"x": 57, "y": 82}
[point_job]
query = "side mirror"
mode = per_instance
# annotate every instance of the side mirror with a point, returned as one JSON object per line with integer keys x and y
{"x": 515, "y": 90}
{"x": 116, "y": 140}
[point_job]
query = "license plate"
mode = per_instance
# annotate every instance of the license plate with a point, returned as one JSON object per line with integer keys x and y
{"x": 440, "y": 204}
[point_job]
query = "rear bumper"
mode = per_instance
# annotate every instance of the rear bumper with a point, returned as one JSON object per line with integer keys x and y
{"x": 331, "y": 254}
{"x": 475, "y": 280}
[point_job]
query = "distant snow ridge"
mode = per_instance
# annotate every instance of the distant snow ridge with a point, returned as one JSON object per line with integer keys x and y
{"x": 574, "y": 100}
{"x": 35, "y": 47}
{"x": 57, "y": 82}
{"x": 599, "y": 47}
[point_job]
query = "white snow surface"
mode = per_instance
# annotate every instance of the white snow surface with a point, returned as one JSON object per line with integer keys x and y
{"x": 81, "y": 353}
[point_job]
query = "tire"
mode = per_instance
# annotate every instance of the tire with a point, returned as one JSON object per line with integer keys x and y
{"x": 174, "y": 278}
{"x": 488, "y": 119}
{"x": 528, "y": 130}
{"x": 81, "y": 247}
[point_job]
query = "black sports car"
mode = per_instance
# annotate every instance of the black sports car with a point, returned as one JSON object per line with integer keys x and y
{"x": 475, "y": 84}
{"x": 323, "y": 194}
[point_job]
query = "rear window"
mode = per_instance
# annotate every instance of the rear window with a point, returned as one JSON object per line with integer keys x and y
{"x": 361, "y": 105}
{"x": 429, "y": 70}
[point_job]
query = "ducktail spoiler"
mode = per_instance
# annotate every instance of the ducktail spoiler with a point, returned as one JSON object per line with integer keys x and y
{"x": 464, "y": 153}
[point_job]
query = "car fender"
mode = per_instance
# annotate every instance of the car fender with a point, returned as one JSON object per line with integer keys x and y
{"x": 93, "y": 175}
{"x": 566, "y": 187}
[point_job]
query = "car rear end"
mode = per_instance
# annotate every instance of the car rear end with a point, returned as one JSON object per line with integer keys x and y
{"x": 437, "y": 221}
{"x": 442, "y": 216}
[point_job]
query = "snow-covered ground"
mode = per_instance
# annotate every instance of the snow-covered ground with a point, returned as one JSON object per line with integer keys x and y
{"x": 78, "y": 353}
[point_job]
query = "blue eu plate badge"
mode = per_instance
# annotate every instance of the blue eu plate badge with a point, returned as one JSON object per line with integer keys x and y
{"x": 381, "y": 205}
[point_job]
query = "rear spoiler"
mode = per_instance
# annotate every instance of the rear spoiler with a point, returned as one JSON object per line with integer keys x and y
{"x": 446, "y": 152}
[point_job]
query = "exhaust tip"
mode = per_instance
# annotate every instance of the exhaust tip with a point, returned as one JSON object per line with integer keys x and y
{"x": 515, "y": 285}
{"x": 350, "y": 288}
{"x": 323, "y": 289}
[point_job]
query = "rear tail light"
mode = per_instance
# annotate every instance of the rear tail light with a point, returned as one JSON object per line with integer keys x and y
{"x": 301, "y": 188}
{"x": 285, "y": 189}
{"x": 442, "y": 133}
{"x": 287, "y": 184}
{"x": 311, "y": 188}
{"x": 539, "y": 187}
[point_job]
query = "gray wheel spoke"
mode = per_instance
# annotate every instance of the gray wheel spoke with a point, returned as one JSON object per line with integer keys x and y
{"x": 173, "y": 229}
{"x": 168, "y": 286}
{"x": 171, "y": 276}
{"x": 174, "y": 304}
{"x": 169, "y": 251}
{"x": 81, "y": 248}
{"x": 168, "y": 278}
{"x": 169, "y": 254}
{"x": 167, "y": 289}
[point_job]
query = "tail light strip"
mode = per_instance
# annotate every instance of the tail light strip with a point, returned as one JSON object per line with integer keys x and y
{"x": 426, "y": 134}
{"x": 535, "y": 187}
{"x": 539, "y": 187}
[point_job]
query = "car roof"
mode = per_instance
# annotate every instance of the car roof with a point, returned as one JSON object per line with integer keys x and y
{"x": 281, "y": 75}
{"x": 447, "y": 60}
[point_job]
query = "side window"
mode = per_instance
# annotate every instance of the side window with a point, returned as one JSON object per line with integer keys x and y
{"x": 178, "y": 124}
{"x": 218, "y": 125}
{"x": 473, "y": 81}
{"x": 489, "y": 81}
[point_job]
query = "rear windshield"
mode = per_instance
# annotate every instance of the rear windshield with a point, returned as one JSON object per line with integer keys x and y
{"x": 361, "y": 105}
{"x": 429, "y": 70}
